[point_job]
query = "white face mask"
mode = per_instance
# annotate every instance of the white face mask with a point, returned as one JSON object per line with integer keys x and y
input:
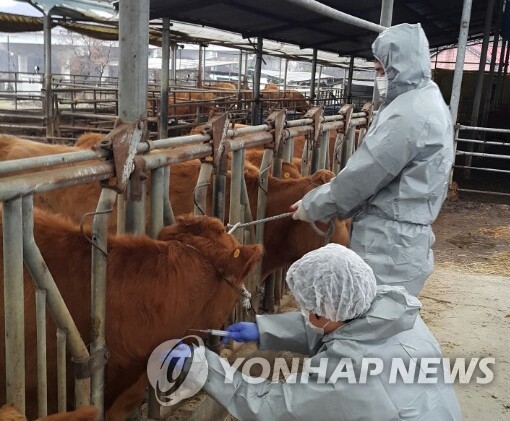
{"x": 382, "y": 85}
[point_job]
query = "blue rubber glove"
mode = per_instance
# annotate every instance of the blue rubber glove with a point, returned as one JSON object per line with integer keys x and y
{"x": 177, "y": 356}
{"x": 244, "y": 332}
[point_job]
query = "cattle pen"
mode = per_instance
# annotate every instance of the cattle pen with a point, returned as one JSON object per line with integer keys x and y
{"x": 140, "y": 127}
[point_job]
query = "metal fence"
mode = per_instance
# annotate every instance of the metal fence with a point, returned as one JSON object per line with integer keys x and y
{"x": 24, "y": 178}
{"x": 475, "y": 144}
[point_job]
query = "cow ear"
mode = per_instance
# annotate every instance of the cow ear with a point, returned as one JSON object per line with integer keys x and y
{"x": 322, "y": 177}
{"x": 242, "y": 260}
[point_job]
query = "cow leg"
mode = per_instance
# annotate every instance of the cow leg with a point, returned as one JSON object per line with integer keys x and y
{"x": 128, "y": 400}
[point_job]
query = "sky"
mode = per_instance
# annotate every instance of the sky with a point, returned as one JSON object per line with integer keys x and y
{"x": 17, "y": 7}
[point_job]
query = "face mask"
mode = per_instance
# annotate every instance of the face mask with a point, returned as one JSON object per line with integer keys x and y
{"x": 318, "y": 330}
{"x": 382, "y": 85}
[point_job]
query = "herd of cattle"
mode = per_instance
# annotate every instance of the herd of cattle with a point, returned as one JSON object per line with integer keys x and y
{"x": 187, "y": 104}
{"x": 152, "y": 284}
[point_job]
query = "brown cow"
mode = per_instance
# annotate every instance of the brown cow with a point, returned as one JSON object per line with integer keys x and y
{"x": 156, "y": 290}
{"x": 281, "y": 249}
{"x": 85, "y": 413}
{"x": 294, "y": 99}
{"x": 285, "y": 240}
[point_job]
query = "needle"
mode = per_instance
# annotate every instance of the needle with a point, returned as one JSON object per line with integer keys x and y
{"x": 214, "y": 332}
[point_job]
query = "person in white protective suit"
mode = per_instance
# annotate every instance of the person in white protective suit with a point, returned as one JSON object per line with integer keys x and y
{"x": 344, "y": 317}
{"x": 395, "y": 183}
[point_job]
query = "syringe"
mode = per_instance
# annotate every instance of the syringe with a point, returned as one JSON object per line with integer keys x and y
{"x": 214, "y": 332}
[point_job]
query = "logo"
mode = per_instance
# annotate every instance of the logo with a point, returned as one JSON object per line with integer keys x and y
{"x": 165, "y": 367}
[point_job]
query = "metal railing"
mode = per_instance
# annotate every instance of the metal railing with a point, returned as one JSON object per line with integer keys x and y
{"x": 25, "y": 177}
{"x": 478, "y": 138}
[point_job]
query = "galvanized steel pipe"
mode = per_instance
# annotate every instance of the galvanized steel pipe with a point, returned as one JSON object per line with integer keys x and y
{"x": 99, "y": 265}
{"x": 459, "y": 62}
{"x": 60, "y": 313}
{"x": 42, "y": 377}
{"x": 157, "y": 196}
{"x": 14, "y": 303}
{"x": 332, "y": 13}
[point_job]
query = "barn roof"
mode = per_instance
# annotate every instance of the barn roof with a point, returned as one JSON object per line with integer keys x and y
{"x": 285, "y": 22}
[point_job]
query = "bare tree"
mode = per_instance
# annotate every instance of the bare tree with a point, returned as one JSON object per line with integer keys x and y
{"x": 87, "y": 56}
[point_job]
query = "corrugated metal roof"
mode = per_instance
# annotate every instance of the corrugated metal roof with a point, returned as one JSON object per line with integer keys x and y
{"x": 281, "y": 21}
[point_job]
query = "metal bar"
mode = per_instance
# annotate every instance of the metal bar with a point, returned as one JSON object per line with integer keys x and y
{"x": 174, "y": 64}
{"x": 219, "y": 187}
{"x": 502, "y": 74}
{"x": 485, "y": 142}
{"x": 487, "y": 98}
{"x": 256, "y": 83}
{"x": 312, "y": 82}
{"x": 483, "y": 62}
{"x": 135, "y": 211}
{"x": 239, "y": 73}
{"x": 324, "y": 140}
{"x": 98, "y": 295}
{"x": 455, "y": 137}
{"x": 484, "y": 155}
{"x": 484, "y": 129}
{"x": 329, "y": 12}
{"x": 386, "y": 12}
{"x": 58, "y": 310}
{"x": 348, "y": 93}
{"x": 42, "y": 377}
{"x": 459, "y": 62}
{"x": 236, "y": 180}
{"x": 165, "y": 58}
{"x": 484, "y": 192}
{"x": 199, "y": 73}
{"x": 61, "y": 371}
{"x": 248, "y": 217}
{"x": 498, "y": 93}
{"x": 14, "y": 303}
{"x": 133, "y": 83}
{"x": 288, "y": 150}
{"x": 200, "y": 194}
{"x": 133, "y": 61}
{"x": 485, "y": 169}
{"x": 15, "y": 186}
{"x": 175, "y": 156}
{"x": 285, "y": 71}
{"x": 121, "y": 214}
{"x": 157, "y": 196}
{"x": 40, "y": 162}
{"x": 48, "y": 96}
{"x": 265, "y": 165}
{"x": 168, "y": 213}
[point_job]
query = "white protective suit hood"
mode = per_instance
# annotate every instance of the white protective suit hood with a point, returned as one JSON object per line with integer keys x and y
{"x": 403, "y": 50}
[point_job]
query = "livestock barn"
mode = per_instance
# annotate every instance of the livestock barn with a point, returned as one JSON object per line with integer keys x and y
{"x": 135, "y": 213}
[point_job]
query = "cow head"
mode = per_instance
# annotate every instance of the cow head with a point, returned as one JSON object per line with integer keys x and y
{"x": 287, "y": 240}
{"x": 229, "y": 261}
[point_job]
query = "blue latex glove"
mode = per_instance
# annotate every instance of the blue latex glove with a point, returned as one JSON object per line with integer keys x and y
{"x": 177, "y": 356}
{"x": 244, "y": 332}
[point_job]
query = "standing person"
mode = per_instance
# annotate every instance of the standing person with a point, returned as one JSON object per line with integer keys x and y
{"x": 395, "y": 183}
{"x": 344, "y": 318}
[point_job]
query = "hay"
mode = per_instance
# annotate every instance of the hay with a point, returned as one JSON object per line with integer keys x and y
{"x": 498, "y": 232}
{"x": 497, "y": 263}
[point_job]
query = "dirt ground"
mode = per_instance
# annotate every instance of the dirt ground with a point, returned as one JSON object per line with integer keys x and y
{"x": 466, "y": 301}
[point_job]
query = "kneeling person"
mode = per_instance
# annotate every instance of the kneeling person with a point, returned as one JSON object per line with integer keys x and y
{"x": 344, "y": 316}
